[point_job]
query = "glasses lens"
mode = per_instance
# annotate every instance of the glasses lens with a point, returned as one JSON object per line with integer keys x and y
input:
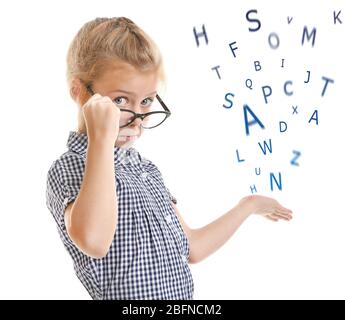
{"x": 150, "y": 121}
{"x": 153, "y": 120}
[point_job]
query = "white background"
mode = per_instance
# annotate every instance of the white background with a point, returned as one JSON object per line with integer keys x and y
{"x": 195, "y": 149}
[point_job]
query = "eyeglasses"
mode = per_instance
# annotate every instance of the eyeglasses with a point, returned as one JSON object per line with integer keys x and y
{"x": 150, "y": 119}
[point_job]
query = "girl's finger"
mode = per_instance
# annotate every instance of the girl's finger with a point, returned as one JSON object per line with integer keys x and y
{"x": 281, "y": 216}
{"x": 272, "y": 219}
{"x": 283, "y": 209}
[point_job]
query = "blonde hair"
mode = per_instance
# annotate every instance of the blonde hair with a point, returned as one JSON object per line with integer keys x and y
{"x": 106, "y": 41}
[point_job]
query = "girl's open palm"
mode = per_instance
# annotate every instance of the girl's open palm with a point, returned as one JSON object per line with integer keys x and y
{"x": 268, "y": 207}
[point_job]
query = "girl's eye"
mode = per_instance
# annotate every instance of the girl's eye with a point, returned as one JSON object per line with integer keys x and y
{"x": 121, "y": 101}
{"x": 147, "y": 102}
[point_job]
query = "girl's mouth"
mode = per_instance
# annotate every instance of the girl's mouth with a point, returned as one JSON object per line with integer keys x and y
{"x": 128, "y": 138}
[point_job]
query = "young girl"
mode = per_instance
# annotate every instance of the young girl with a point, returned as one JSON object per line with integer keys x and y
{"x": 115, "y": 216}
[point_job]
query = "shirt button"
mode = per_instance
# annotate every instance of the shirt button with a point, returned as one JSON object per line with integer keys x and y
{"x": 168, "y": 219}
{"x": 184, "y": 258}
{"x": 144, "y": 175}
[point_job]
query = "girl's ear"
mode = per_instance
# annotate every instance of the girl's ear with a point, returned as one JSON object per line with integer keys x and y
{"x": 75, "y": 89}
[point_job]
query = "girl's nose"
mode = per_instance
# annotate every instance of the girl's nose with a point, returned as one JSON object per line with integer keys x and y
{"x": 136, "y": 122}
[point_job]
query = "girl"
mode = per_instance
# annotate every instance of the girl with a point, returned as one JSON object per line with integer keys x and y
{"x": 115, "y": 216}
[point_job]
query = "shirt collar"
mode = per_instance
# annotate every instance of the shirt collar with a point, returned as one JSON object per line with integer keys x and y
{"x": 77, "y": 142}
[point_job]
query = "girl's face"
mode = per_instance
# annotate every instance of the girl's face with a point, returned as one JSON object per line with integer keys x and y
{"x": 129, "y": 89}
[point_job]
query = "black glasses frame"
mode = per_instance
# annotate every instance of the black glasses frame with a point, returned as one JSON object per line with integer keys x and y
{"x": 142, "y": 116}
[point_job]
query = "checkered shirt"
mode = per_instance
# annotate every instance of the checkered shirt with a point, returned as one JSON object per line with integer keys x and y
{"x": 148, "y": 258}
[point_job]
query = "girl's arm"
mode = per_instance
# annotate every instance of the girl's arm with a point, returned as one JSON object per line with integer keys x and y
{"x": 208, "y": 239}
{"x": 91, "y": 219}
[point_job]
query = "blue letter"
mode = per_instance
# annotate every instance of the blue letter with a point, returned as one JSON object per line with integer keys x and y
{"x": 280, "y": 126}
{"x": 273, "y": 46}
{"x": 324, "y": 88}
{"x": 308, "y": 77}
{"x": 257, "y": 172}
{"x": 290, "y": 93}
{"x": 238, "y": 157}
{"x": 313, "y": 34}
{"x": 253, "y": 20}
{"x": 228, "y": 100}
{"x": 268, "y": 94}
{"x": 257, "y": 65}
{"x": 336, "y": 17}
{"x": 256, "y": 119}
{"x": 253, "y": 188}
{"x": 266, "y": 146}
{"x": 216, "y": 68}
{"x": 297, "y": 155}
{"x": 279, "y": 185}
{"x": 233, "y": 49}
{"x": 316, "y": 117}
{"x": 200, "y": 34}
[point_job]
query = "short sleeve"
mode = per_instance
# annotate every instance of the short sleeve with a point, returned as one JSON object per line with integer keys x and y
{"x": 172, "y": 198}
{"x": 63, "y": 184}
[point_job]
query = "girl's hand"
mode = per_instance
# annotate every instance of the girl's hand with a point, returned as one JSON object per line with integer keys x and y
{"x": 267, "y": 207}
{"x": 102, "y": 118}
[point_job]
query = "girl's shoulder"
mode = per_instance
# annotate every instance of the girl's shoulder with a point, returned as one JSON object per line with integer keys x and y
{"x": 69, "y": 163}
{"x": 69, "y": 157}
